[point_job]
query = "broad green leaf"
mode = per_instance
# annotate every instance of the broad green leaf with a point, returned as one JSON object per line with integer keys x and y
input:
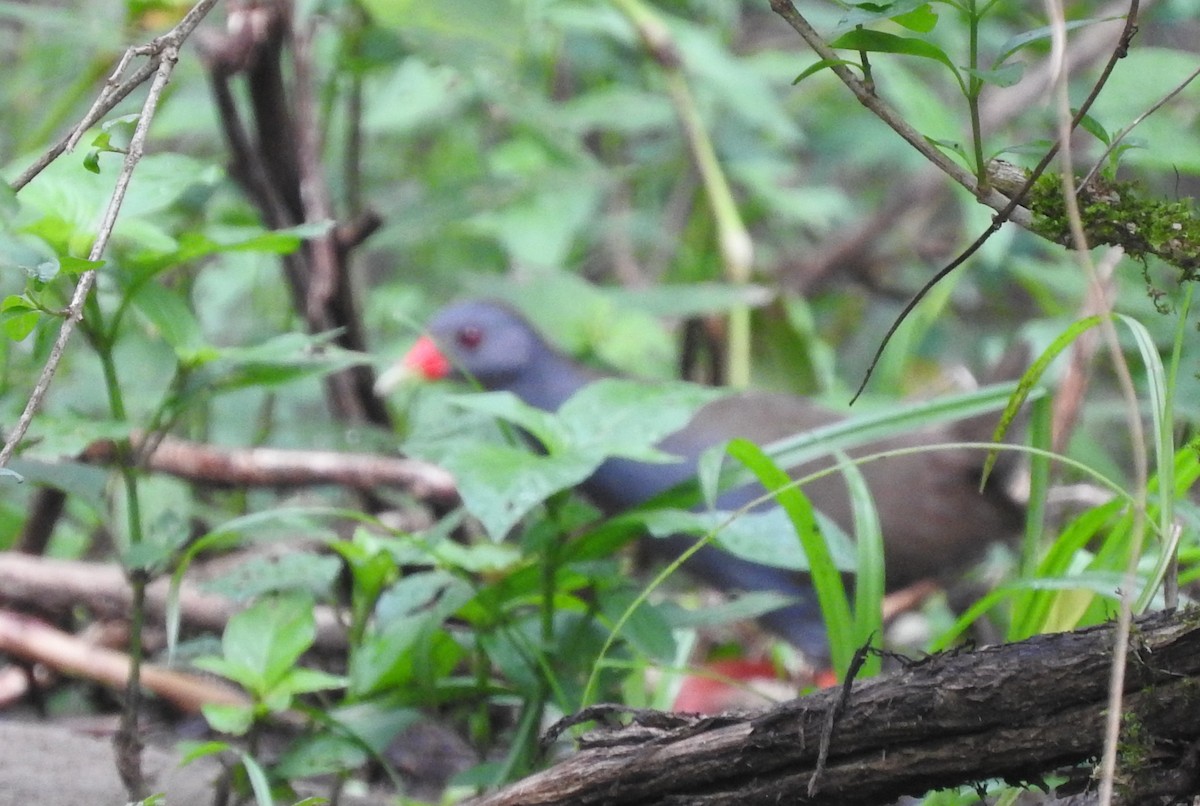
{"x": 618, "y": 417}
{"x": 543, "y": 426}
{"x": 645, "y": 628}
{"x": 880, "y": 42}
{"x": 232, "y": 719}
{"x": 301, "y": 570}
{"x": 764, "y": 536}
{"x": 417, "y": 592}
{"x": 18, "y": 318}
{"x": 277, "y": 361}
{"x": 306, "y": 681}
{"x": 171, "y": 316}
{"x": 921, "y": 19}
{"x": 744, "y": 607}
{"x": 322, "y": 754}
{"x": 465, "y": 33}
{"x": 501, "y": 484}
{"x": 269, "y": 637}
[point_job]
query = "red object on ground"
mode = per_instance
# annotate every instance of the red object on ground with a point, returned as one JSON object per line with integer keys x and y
{"x": 727, "y": 685}
{"x": 730, "y": 685}
{"x": 427, "y": 359}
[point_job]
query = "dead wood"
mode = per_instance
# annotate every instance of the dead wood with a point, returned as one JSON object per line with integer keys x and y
{"x": 1015, "y": 711}
{"x": 61, "y": 586}
{"x": 279, "y": 467}
{"x": 35, "y": 641}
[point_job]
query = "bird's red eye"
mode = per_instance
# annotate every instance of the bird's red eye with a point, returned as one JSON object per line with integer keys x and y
{"x": 469, "y": 337}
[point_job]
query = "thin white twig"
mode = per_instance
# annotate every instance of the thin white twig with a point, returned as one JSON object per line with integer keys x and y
{"x": 163, "y": 52}
{"x": 1108, "y": 763}
{"x": 1121, "y": 135}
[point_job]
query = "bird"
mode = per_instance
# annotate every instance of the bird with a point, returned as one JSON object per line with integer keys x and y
{"x": 933, "y": 517}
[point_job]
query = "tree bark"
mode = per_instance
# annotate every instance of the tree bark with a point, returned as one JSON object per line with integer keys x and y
{"x": 1015, "y": 711}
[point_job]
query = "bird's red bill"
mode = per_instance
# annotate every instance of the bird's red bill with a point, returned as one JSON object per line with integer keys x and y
{"x": 427, "y": 359}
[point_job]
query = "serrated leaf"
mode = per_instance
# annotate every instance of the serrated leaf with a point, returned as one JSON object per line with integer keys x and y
{"x": 619, "y": 417}
{"x": 506, "y": 406}
{"x": 501, "y": 484}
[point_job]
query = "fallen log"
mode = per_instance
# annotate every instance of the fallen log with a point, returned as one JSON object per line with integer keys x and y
{"x": 1017, "y": 712}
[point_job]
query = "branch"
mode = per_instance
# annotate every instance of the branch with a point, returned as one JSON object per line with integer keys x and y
{"x": 34, "y": 641}
{"x": 60, "y": 587}
{"x": 274, "y": 467}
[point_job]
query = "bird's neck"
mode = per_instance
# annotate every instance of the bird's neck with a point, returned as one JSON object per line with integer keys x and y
{"x": 548, "y": 382}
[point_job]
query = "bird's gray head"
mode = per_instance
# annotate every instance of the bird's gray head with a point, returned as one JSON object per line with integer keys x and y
{"x": 479, "y": 339}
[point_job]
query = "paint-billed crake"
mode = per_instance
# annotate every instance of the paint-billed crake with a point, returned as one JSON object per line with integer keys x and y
{"x": 934, "y": 519}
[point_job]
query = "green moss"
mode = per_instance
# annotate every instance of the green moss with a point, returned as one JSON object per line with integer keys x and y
{"x": 1114, "y": 214}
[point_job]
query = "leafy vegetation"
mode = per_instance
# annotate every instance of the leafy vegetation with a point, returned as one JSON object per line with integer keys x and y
{"x": 610, "y": 168}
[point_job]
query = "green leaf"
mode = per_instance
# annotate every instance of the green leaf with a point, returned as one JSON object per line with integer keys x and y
{"x": 880, "y": 42}
{"x": 645, "y": 628}
{"x": 501, "y": 484}
{"x": 1019, "y": 41}
{"x": 921, "y": 19}
{"x": 265, "y": 640}
{"x": 323, "y": 754}
{"x": 869, "y": 569}
{"x": 306, "y": 681}
{"x": 232, "y": 719}
{"x": 764, "y": 536}
{"x": 190, "y": 751}
{"x": 744, "y": 607}
{"x": 823, "y": 64}
{"x": 277, "y": 361}
{"x": 619, "y": 417}
{"x": 543, "y": 426}
{"x": 302, "y": 570}
{"x": 78, "y": 265}
{"x": 171, "y": 317}
{"x": 18, "y": 317}
{"x": 1093, "y": 127}
{"x": 826, "y": 579}
{"x": 916, "y": 12}
{"x": 1004, "y": 76}
{"x": 1027, "y": 385}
